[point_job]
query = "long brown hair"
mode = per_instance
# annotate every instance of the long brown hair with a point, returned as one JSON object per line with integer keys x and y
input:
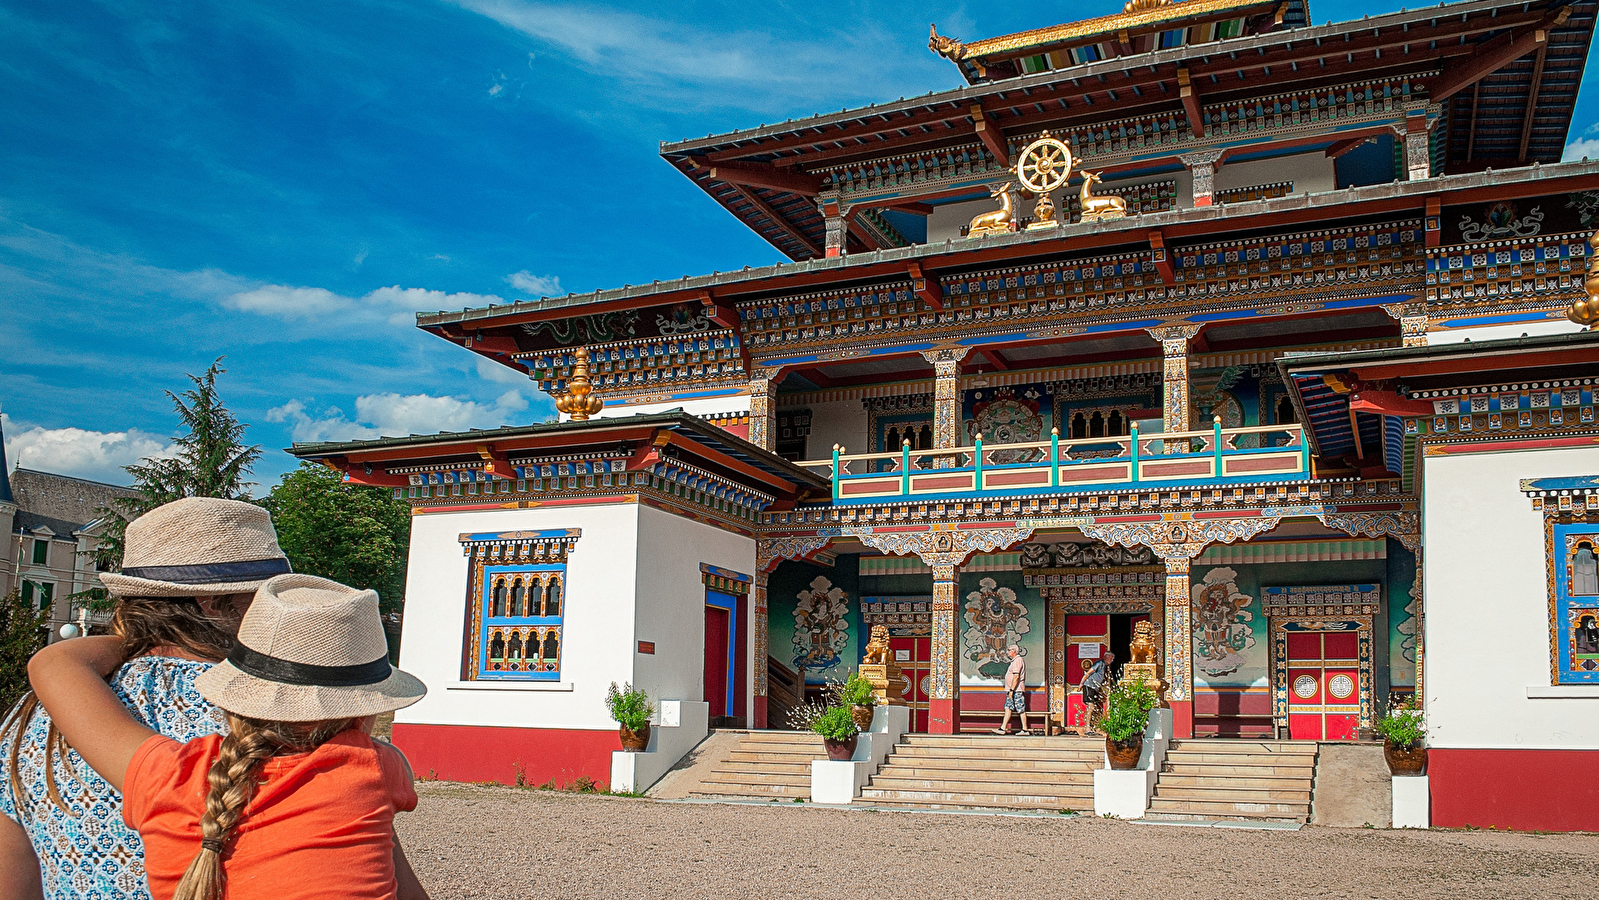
{"x": 232, "y": 780}
{"x": 144, "y": 624}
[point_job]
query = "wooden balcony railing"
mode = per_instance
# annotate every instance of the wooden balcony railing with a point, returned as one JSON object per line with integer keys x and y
{"x": 1218, "y": 456}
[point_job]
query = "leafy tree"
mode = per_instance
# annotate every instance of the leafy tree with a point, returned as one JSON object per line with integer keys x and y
{"x": 354, "y": 534}
{"x": 22, "y": 633}
{"x": 211, "y": 461}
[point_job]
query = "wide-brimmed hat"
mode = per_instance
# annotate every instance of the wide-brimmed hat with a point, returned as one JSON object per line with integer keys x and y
{"x": 310, "y": 649}
{"x": 195, "y": 547}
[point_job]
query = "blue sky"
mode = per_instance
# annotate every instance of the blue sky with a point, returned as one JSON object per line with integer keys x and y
{"x": 286, "y": 184}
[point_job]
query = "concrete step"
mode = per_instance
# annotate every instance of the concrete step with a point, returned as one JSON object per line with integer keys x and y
{"x": 1285, "y": 748}
{"x": 967, "y": 800}
{"x": 1223, "y": 809}
{"x": 778, "y": 792}
{"x": 885, "y": 782}
{"x": 764, "y": 767}
{"x": 1297, "y": 760}
{"x": 1230, "y": 793}
{"x": 997, "y": 753}
{"x": 762, "y": 778}
{"x": 1173, "y": 780}
{"x": 956, "y": 766}
{"x": 981, "y": 743}
{"x": 782, "y": 755}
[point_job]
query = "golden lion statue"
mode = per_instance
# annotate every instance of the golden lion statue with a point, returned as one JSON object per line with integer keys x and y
{"x": 877, "y": 652}
{"x": 1142, "y": 649}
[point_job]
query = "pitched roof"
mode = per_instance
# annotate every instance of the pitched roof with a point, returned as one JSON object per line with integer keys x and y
{"x": 62, "y": 503}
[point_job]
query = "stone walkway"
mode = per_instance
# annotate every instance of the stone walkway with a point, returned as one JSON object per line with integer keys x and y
{"x": 494, "y": 842}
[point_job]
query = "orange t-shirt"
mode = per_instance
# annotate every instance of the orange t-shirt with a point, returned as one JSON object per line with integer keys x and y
{"x": 321, "y": 824}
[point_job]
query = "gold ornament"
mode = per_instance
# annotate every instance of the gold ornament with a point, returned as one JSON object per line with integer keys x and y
{"x": 1044, "y": 165}
{"x": 1585, "y": 310}
{"x": 1098, "y": 208}
{"x": 579, "y": 401}
{"x": 995, "y": 222}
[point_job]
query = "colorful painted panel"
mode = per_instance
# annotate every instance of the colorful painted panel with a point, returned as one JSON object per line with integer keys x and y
{"x": 1228, "y": 651}
{"x": 813, "y": 619}
{"x": 1576, "y": 603}
{"x": 1008, "y": 415}
{"x": 516, "y": 604}
{"x": 994, "y": 610}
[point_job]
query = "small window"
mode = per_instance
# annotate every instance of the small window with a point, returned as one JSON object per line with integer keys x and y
{"x": 1584, "y": 572}
{"x": 519, "y": 623}
{"x": 41, "y": 552}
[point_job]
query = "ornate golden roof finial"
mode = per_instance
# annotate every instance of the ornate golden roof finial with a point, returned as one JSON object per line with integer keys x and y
{"x": 947, "y": 47}
{"x": 579, "y": 401}
{"x": 1585, "y": 310}
{"x": 1141, "y": 5}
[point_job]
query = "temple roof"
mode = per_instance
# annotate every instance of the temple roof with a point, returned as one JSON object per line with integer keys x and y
{"x": 1507, "y": 100}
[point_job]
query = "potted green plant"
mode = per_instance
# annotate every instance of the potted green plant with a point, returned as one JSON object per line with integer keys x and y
{"x": 631, "y": 708}
{"x": 1404, "y": 738}
{"x": 856, "y": 693}
{"x": 1126, "y": 716}
{"x": 839, "y": 732}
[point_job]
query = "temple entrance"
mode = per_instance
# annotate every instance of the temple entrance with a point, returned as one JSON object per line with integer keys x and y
{"x": 721, "y": 644}
{"x": 1323, "y": 686}
{"x": 1077, "y": 640}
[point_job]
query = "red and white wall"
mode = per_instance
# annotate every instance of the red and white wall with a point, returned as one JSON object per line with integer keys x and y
{"x": 1507, "y": 748}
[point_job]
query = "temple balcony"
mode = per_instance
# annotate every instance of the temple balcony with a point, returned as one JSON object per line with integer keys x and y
{"x": 1219, "y": 457}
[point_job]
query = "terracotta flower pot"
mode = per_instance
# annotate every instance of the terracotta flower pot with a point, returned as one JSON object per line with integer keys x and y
{"x": 1404, "y": 760}
{"x": 635, "y": 741}
{"x": 862, "y": 716}
{"x": 1124, "y": 754}
{"x": 841, "y": 750}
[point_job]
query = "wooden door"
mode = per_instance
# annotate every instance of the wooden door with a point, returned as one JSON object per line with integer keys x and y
{"x": 913, "y": 655}
{"x": 718, "y": 660}
{"x": 1323, "y": 685}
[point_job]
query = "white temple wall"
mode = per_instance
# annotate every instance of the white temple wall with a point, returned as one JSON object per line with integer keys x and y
{"x": 1310, "y": 172}
{"x": 703, "y": 406}
{"x": 1501, "y": 332}
{"x": 598, "y": 611}
{"x": 1487, "y": 606}
{"x": 671, "y": 601}
{"x": 837, "y": 422}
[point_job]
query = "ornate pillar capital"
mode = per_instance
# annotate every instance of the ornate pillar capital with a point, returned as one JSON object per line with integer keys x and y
{"x": 945, "y": 546}
{"x": 835, "y": 219}
{"x": 763, "y": 406}
{"x": 1202, "y": 164}
{"x": 1403, "y": 526}
{"x": 773, "y": 550}
{"x": 1412, "y": 319}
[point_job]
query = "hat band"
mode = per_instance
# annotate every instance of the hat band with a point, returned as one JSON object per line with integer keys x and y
{"x": 283, "y": 671}
{"x": 212, "y": 573}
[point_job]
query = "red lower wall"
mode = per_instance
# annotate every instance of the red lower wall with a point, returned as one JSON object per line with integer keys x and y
{"x": 478, "y": 753}
{"x": 1528, "y": 790}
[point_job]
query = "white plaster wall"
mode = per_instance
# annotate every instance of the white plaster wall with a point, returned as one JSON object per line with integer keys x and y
{"x": 734, "y": 403}
{"x": 598, "y": 634}
{"x": 1487, "y": 609}
{"x": 838, "y": 422}
{"x": 1501, "y": 332}
{"x": 1310, "y": 172}
{"x": 671, "y": 601}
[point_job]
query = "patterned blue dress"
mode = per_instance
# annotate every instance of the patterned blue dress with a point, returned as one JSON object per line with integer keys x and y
{"x": 87, "y": 853}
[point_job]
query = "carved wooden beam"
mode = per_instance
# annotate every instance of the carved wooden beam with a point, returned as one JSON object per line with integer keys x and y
{"x": 1388, "y": 403}
{"x": 993, "y": 138}
{"x": 928, "y": 289}
{"x": 1532, "y": 102}
{"x": 1185, "y": 89}
{"x": 777, "y": 219}
{"x": 764, "y": 176}
{"x": 719, "y": 311}
{"x": 1161, "y": 257}
{"x": 1494, "y": 55}
{"x": 495, "y": 461}
{"x": 1339, "y": 148}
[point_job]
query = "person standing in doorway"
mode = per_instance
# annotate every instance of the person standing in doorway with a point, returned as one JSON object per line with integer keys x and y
{"x": 1094, "y": 684}
{"x": 1015, "y": 691}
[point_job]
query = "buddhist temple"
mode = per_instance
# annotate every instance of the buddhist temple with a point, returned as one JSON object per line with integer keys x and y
{"x": 1266, "y": 332}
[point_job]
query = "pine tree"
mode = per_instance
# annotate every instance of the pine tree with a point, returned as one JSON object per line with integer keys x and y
{"x": 211, "y": 461}
{"x": 22, "y": 634}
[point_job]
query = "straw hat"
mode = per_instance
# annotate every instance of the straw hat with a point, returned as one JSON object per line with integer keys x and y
{"x": 198, "y": 546}
{"x": 309, "y": 649}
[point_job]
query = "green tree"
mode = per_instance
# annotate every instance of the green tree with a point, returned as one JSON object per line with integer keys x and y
{"x": 22, "y": 634}
{"x": 354, "y": 534}
{"x": 212, "y": 460}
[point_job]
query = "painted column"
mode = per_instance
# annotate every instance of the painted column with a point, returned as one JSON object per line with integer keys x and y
{"x": 1179, "y": 674}
{"x": 758, "y": 639}
{"x": 1174, "y": 340}
{"x": 1203, "y": 165}
{"x": 1413, "y": 321}
{"x": 946, "y": 363}
{"x": 1418, "y": 147}
{"x": 944, "y": 698}
{"x": 835, "y": 218}
{"x": 763, "y": 407}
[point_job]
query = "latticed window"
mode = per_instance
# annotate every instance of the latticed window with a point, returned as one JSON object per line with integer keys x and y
{"x": 516, "y": 600}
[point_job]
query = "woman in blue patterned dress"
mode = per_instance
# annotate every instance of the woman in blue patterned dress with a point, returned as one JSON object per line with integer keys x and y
{"x": 190, "y": 570}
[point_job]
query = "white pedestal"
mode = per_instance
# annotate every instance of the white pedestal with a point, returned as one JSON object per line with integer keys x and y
{"x": 841, "y": 782}
{"x": 1412, "y": 802}
{"x": 1125, "y": 794}
{"x": 680, "y": 726}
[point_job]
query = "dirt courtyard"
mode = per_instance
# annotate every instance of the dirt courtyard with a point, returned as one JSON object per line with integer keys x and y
{"x": 493, "y": 842}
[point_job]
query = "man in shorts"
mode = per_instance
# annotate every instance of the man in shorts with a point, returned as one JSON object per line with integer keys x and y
{"x": 1015, "y": 691}
{"x": 1094, "y": 686}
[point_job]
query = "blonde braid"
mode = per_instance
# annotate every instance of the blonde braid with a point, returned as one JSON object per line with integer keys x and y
{"x": 232, "y": 778}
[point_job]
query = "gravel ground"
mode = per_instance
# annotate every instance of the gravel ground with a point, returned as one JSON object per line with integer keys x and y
{"x": 467, "y": 841}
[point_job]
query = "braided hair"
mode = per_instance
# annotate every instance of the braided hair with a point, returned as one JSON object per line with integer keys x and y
{"x": 233, "y": 781}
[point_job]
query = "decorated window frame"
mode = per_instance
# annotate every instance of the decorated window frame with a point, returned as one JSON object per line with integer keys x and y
{"x": 517, "y": 599}
{"x": 1570, "y": 508}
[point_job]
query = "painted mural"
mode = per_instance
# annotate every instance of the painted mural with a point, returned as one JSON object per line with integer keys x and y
{"x": 1402, "y": 606}
{"x": 1224, "y": 627}
{"x": 821, "y": 626}
{"x": 1008, "y": 416}
{"x": 995, "y": 619}
{"x": 814, "y": 619}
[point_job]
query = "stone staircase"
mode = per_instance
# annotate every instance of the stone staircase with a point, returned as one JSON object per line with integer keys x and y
{"x": 929, "y": 771}
{"x": 1235, "y": 779}
{"x": 766, "y": 765}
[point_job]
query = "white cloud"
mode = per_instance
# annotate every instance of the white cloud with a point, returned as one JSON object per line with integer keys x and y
{"x": 528, "y": 283}
{"x": 95, "y": 455}
{"x": 1581, "y": 147}
{"x": 395, "y": 305}
{"x": 488, "y": 370}
{"x": 396, "y": 415}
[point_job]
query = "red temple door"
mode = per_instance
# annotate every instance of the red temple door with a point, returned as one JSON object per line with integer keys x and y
{"x": 718, "y": 659}
{"x": 913, "y": 655}
{"x": 1323, "y": 685}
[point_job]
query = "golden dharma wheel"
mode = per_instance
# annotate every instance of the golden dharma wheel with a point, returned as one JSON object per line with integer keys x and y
{"x": 1044, "y": 165}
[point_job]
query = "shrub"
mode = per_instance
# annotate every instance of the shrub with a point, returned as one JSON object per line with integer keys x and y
{"x": 1127, "y": 709}
{"x": 835, "y": 724}
{"x": 1402, "y": 726}
{"x": 629, "y": 706}
{"x": 855, "y": 691}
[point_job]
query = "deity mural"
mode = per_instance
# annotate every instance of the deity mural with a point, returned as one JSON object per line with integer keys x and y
{"x": 995, "y": 619}
{"x": 821, "y": 626}
{"x": 1004, "y": 418}
{"x": 1222, "y": 630}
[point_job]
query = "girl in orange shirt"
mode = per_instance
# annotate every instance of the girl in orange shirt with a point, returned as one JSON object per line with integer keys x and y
{"x": 298, "y": 789}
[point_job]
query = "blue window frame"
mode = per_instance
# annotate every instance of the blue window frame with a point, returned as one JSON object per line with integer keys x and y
{"x": 521, "y": 609}
{"x": 1576, "y": 603}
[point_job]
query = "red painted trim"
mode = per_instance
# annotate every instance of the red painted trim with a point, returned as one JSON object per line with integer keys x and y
{"x": 1480, "y": 446}
{"x": 758, "y": 713}
{"x": 482, "y": 753}
{"x": 1182, "y": 714}
{"x": 1241, "y": 514}
{"x": 1545, "y": 790}
{"x": 531, "y": 504}
{"x": 1111, "y": 520}
{"x": 965, "y": 525}
{"x": 944, "y": 716}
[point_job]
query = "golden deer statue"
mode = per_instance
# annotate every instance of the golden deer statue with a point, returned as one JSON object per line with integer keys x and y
{"x": 1096, "y": 208}
{"x": 997, "y": 221}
